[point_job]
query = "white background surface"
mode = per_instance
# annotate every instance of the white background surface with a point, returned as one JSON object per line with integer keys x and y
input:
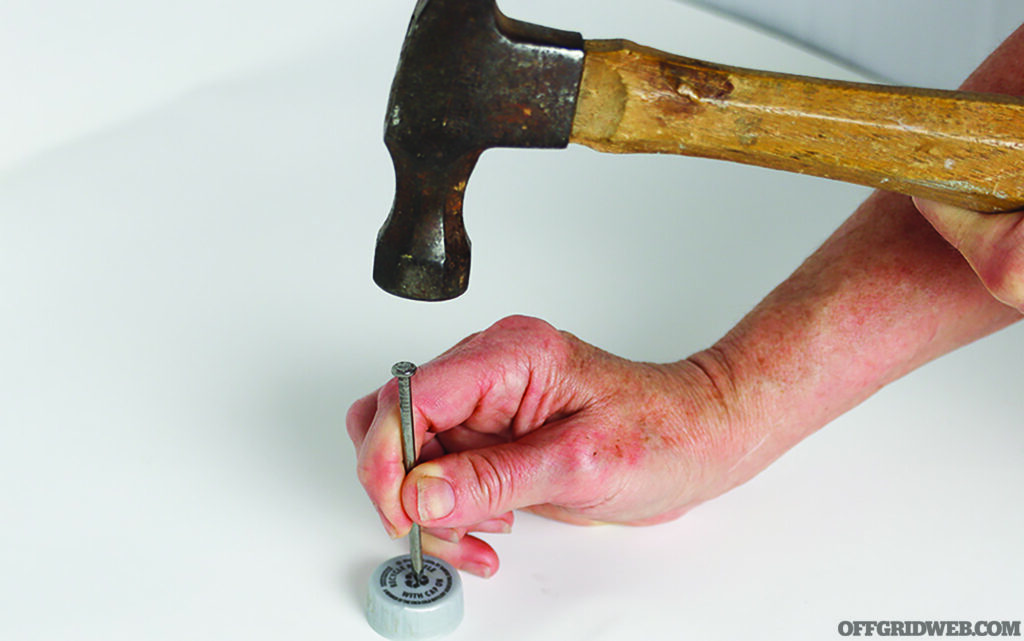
{"x": 924, "y": 43}
{"x": 187, "y": 313}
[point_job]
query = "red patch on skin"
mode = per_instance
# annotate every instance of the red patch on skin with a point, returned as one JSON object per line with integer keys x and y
{"x": 631, "y": 450}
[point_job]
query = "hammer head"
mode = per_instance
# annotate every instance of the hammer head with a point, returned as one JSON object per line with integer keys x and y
{"x": 468, "y": 78}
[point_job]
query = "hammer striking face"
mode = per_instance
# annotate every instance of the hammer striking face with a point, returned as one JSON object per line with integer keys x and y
{"x": 469, "y": 78}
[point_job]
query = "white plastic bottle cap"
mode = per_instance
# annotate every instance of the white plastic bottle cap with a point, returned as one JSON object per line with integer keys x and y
{"x": 402, "y": 606}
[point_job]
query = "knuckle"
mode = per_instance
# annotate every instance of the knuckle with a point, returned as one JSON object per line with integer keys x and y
{"x": 1003, "y": 275}
{"x": 364, "y": 474}
{"x": 532, "y": 331}
{"x": 352, "y": 423}
{"x": 492, "y": 487}
{"x": 581, "y": 462}
{"x": 524, "y": 326}
{"x": 375, "y": 477}
{"x": 520, "y": 323}
{"x": 387, "y": 394}
{"x": 535, "y": 341}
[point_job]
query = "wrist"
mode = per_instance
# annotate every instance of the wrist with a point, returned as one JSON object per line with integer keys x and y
{"x": 737, "y": 436}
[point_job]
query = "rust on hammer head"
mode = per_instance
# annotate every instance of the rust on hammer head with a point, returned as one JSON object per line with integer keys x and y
{"x": 468, "y": 78}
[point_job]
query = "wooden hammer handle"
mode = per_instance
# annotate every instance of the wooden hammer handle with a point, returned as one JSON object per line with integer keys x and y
{"x": 962, "y": 148}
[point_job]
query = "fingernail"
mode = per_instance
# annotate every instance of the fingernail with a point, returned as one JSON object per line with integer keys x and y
{"x": 478, "y": 569}
{"x": 392, "y": 532}
{"x": 435, "y": 498}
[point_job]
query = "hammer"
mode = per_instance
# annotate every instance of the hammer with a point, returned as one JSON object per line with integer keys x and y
{"x": 470, "y": 78}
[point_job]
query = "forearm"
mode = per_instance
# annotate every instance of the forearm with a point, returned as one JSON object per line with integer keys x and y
{"x": 884, "y": 295}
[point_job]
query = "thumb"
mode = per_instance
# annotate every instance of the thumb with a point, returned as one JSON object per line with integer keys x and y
{"x": 464, "y": 488}
{"x": 993, "y": 245}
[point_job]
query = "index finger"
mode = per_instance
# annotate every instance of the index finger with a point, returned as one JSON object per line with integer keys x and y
{"x": 379, "y": 461}
{"x": 380, "y": 466}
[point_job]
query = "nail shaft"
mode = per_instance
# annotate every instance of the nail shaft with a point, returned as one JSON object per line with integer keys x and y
{"x": 403, "y": 371}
